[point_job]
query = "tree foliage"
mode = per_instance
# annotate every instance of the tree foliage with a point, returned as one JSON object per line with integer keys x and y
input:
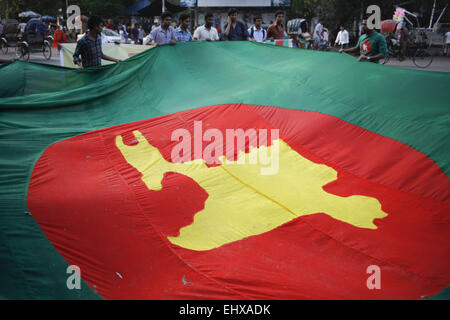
{"x": 11, "y": 8}
{"x": 104, "y": 8}
{"x": 334, "y": 11}
{"x": 110, "y": 8}
{"x": 346, "y": 12}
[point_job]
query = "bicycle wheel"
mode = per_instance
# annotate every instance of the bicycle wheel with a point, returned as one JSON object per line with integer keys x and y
{"x": 24, "y": 53}
{"x": 18, "y": 52}
{"x": 422, "y": 59}
{"x": 47, "y": 51}
{"x": 4, "y": 47}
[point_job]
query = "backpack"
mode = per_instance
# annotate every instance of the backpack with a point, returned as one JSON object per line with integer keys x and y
{"x": 253, "y": 31}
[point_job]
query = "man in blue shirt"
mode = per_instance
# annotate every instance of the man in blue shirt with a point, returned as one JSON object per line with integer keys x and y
{"x": 164, "y": 34}
{"x": 135, "y": 33}
{"x": 235, "y": 30}
{"x": 182, "y": 33}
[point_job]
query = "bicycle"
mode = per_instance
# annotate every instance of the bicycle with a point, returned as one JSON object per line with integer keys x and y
{"x": 418, "y": 53}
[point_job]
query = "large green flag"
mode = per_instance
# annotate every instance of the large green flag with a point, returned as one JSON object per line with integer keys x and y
{"x": 88, "y": 177}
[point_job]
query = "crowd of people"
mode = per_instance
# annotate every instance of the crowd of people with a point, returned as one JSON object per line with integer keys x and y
{"x": 372, "y": 45}
{"x": 234, "y": 30}
{"x": 169, "y": 33}
{"x": 88, "y": 51}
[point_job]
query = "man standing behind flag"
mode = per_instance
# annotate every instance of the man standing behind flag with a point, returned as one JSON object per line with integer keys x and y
{"x": 207, "y": 31}
{"x": 135, "y": 33}
{"x": 90, "y": 46}
{"x": 182, "y": 33}
{"x": 110, "y": 24}
{"x": 446, "y": 42}
{"x": 276, "y": 30}
{"x": 141, "y": 34}
{"x": 235, "y": 30}
{"x": 123, "y": 34}
{"x": 165, "y": 33}
{"x": 371, "y": 45}
{"x": 59, "y": 37}
{"x": 318, "y": 33}
{"x": 257, "y": 33}
{"x": 342, "y": 39}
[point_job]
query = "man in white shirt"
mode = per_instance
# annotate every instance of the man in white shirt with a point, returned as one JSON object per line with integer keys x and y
{"x": 156, "y": 24}
{"x": 446, "y": 42}
{"x": 323, "y": 44}
{"x": 325, "y": 35}
{"x": 207, "y": 31}
{"x": 123, "y": 34}
{"x": 22, "y": 26}
{"x": 342, "y": 38}
{"x": 257, "y": 33}
{"x": 318, "y": 31}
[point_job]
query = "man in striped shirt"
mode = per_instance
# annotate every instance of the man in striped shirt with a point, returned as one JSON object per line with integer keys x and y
{"x": 165, "y": 33}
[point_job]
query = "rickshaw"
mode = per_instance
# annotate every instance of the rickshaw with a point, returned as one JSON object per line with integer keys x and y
{"x": 303, "y": 38}
{"x": 9, "y": 37}
{"x": 388, "y": 29}
{"x": 417, "y": 50}
{"x": 36, "y": 38}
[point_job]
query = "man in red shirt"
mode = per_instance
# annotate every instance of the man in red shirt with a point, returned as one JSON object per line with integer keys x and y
{"x": 276, "y": 30}
{"x": 59, "y": 37}
{"x": 109, "y": 25}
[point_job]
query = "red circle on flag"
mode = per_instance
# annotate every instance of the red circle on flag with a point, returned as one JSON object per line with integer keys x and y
{"x": 99, "y": 214}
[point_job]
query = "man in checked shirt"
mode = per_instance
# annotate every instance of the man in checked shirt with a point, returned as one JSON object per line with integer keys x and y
{"x": 90, "y": 46}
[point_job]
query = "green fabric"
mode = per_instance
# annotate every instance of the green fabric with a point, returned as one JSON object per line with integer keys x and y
{"x": 42, "y": 104}
{"x": 443, "y": 295}
{"x": 377, "y": 45}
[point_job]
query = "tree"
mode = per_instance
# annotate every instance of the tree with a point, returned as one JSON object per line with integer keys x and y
{"x": 346, "y": 12}
{"x": 11, "y": 8}
{"x": 110, "y": 8}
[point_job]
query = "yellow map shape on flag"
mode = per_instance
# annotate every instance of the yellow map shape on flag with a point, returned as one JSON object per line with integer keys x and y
{"x": 242, "y": 202}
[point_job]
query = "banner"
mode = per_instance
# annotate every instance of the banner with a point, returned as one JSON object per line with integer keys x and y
{"x": 118, "y": 51}
{"x": 188, "y": 3}
{"x": 281, "y": 43}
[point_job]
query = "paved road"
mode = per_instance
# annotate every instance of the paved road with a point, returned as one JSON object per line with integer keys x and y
{"x": 440, "y": 63}
{"x": 35, "y": 56}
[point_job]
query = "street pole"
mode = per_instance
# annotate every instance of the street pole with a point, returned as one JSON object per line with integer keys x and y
{"x": 195, "y": 16}
{"x": 163, "y": 6}
{"x": 442, "y": 13}
{"x": 432, "y": 14}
